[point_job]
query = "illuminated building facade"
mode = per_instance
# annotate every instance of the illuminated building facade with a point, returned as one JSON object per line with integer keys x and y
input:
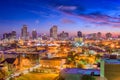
{"x": 55, "y": 62}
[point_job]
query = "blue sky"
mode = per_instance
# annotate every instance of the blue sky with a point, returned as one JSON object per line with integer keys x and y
{"x": 88, "y": 16}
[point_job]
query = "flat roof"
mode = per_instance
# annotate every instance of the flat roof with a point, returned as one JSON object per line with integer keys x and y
{"x": 112, "y": 61}
{"x": 95, "y": 72}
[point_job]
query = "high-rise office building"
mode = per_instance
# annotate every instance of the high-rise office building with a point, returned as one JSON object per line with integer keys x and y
{"x": 64, "y": 36}
{"x": 34, "y": 34}
{"x": 79, "y": 34}
{"x": 24, "y": 33}
{"x": 99, "y": 35}
{"x": 53, "y": 32}
{"x": 94, "y": 36}
{"x": 14, "y": 35}
{"x": 6, "y": 35}
{"x": 108, "y": 35}
{"x": 11, "y": 35}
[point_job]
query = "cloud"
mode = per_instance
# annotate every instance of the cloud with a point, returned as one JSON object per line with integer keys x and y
{"x": 66, "y": 7}
{"x": 71, "y": 9}
{"x": 96, "y": 18}
{"x": 67, "y": 21}
{"x": 83, "y": 12}
{"x": 101, "y": 19}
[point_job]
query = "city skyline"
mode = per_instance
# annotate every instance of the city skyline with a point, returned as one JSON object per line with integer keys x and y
{"x": 78, "y": 33}
{"x": 69, "y": 15}
{"x": 59, "y": 39}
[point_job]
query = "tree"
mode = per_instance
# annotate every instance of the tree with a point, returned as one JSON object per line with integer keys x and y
{"x": 61, "y": 78}
{"x": 80, "y": 66}
{"x": 3, "y": 74}
{"x": 87, "y": 77}
{"x": 98, "y": 56}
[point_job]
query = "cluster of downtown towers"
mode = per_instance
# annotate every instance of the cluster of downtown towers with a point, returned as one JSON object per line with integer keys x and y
{"x": 53, "y": 34}
{"x": 26, "y": 35}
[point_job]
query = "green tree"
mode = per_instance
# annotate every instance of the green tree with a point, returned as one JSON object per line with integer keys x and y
{"x": 87, "y": 77}
{"x": 61, "y": 78}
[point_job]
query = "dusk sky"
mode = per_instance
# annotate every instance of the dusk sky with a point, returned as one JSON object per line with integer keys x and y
{"x": 88, "y": 16}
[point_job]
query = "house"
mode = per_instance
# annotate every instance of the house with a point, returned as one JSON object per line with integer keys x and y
{"x": 55, "y": 62}
{"x": 11, "y": 64}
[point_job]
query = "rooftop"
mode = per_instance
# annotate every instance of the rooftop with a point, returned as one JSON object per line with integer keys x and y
{"x": 112, "y": 61}
{"x": 9, "y": 60}
{"x": 94, "y": 72}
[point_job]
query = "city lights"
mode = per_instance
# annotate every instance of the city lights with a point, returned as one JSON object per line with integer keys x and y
{"x": 59, "y": 40}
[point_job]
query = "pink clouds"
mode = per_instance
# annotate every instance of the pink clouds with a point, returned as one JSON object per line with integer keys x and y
{"x": 101, "y": 19}
{"x": 96, "y": 18}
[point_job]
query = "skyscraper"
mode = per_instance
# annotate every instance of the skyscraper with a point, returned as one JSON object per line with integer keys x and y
{"x": 24, "y": 33}
{"x": 53, "y": 32}
{"x": 79, "y": 34}
{"x": 6, "y": 35}
{"x": 99, "y": 35}
{"x": 108, "y": 35}
{"x": 11, "y": 35}
{"x": 64, "y": 36}
{"x": 34, "y": 34}
{"x": 14, "y": 35}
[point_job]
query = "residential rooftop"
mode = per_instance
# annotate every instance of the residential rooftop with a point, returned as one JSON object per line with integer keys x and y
{"x": 94, "y": 72}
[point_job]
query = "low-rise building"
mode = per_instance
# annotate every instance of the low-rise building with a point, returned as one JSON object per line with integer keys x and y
{"x": 55, "y": 62}
{"x": 12, "y": 64}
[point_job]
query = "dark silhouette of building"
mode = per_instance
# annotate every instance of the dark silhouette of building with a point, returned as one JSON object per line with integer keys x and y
{"x": 7, "y": 35}
{"x": 79, "y": 34}
{"x": 34, "y": 34}
{"x": 24, "y": 33}
{"x": 64, "y": 36}
{"x": 99, "y": 35}
{"x": 108, "y": 35}
{"x": 53, "y": 32}
{"x": 14, "y": 35}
